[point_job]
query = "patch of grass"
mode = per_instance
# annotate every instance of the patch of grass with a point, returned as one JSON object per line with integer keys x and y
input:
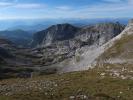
{"x": 88, "y": 83}
{"x": 5, "y": 98}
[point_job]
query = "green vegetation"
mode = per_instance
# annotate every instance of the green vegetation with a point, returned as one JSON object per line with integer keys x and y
{"x": 120, "y": 48}
{"x": 65, "y": 86}
{"x": 4, "y": 98}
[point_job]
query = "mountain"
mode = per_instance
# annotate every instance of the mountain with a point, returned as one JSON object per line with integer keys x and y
{"x": 100, "y": 33}
{"x": 54, "y": 33}
{"x": 66, "y": 43}
{"x": 62, "y": 32}
{"x": 18, "y": 37}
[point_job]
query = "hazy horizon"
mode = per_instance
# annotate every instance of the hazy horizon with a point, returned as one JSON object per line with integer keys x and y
{"x": 41, "y": 24}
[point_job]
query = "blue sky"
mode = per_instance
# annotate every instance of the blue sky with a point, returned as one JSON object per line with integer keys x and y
{"x": 55, "y": 9}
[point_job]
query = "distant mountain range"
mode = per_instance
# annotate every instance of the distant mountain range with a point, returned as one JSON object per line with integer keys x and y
{"x": 18, "y": 37}
{"x": 41, "y": 24}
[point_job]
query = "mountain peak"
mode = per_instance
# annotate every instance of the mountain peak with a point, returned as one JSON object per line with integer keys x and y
{"x": 63, "y": 24}
{"x": 60, "y": 27}
{"x": 54, "y": 33}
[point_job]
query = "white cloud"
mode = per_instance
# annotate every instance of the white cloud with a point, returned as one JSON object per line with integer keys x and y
{"x": 5, "y": 4}
{"x": 21, "y": 5}
{"x": 114, "y": 8}
{"x": 63, "y": 8}
{"x": 8, "y": 0}
{"x": 113, "y": 1}
{"x": 30, "y": 6}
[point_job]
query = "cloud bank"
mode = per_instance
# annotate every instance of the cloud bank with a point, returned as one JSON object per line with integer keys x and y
{"x": 101, "y": 9}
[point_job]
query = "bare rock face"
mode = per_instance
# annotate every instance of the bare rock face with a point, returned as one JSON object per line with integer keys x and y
{"x": 100, "y": 33}
{"x": 54, "y": 33}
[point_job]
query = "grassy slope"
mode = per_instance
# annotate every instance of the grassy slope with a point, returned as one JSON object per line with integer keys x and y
{"x": 89, "y": 83}
{"x": 122, "y": 48}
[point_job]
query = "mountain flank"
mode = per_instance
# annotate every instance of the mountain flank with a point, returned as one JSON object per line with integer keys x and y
{"x": 18, "y": 37}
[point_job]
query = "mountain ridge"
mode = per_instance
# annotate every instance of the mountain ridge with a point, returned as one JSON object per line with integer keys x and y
{"x": 77, "y": 30}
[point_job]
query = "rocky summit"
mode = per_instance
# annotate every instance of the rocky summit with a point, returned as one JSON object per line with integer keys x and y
{"x": 54, "y": 33}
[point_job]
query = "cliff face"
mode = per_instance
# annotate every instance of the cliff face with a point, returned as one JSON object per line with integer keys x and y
{"x": 100, "y": 33}
{"x": 54, "y": 33}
